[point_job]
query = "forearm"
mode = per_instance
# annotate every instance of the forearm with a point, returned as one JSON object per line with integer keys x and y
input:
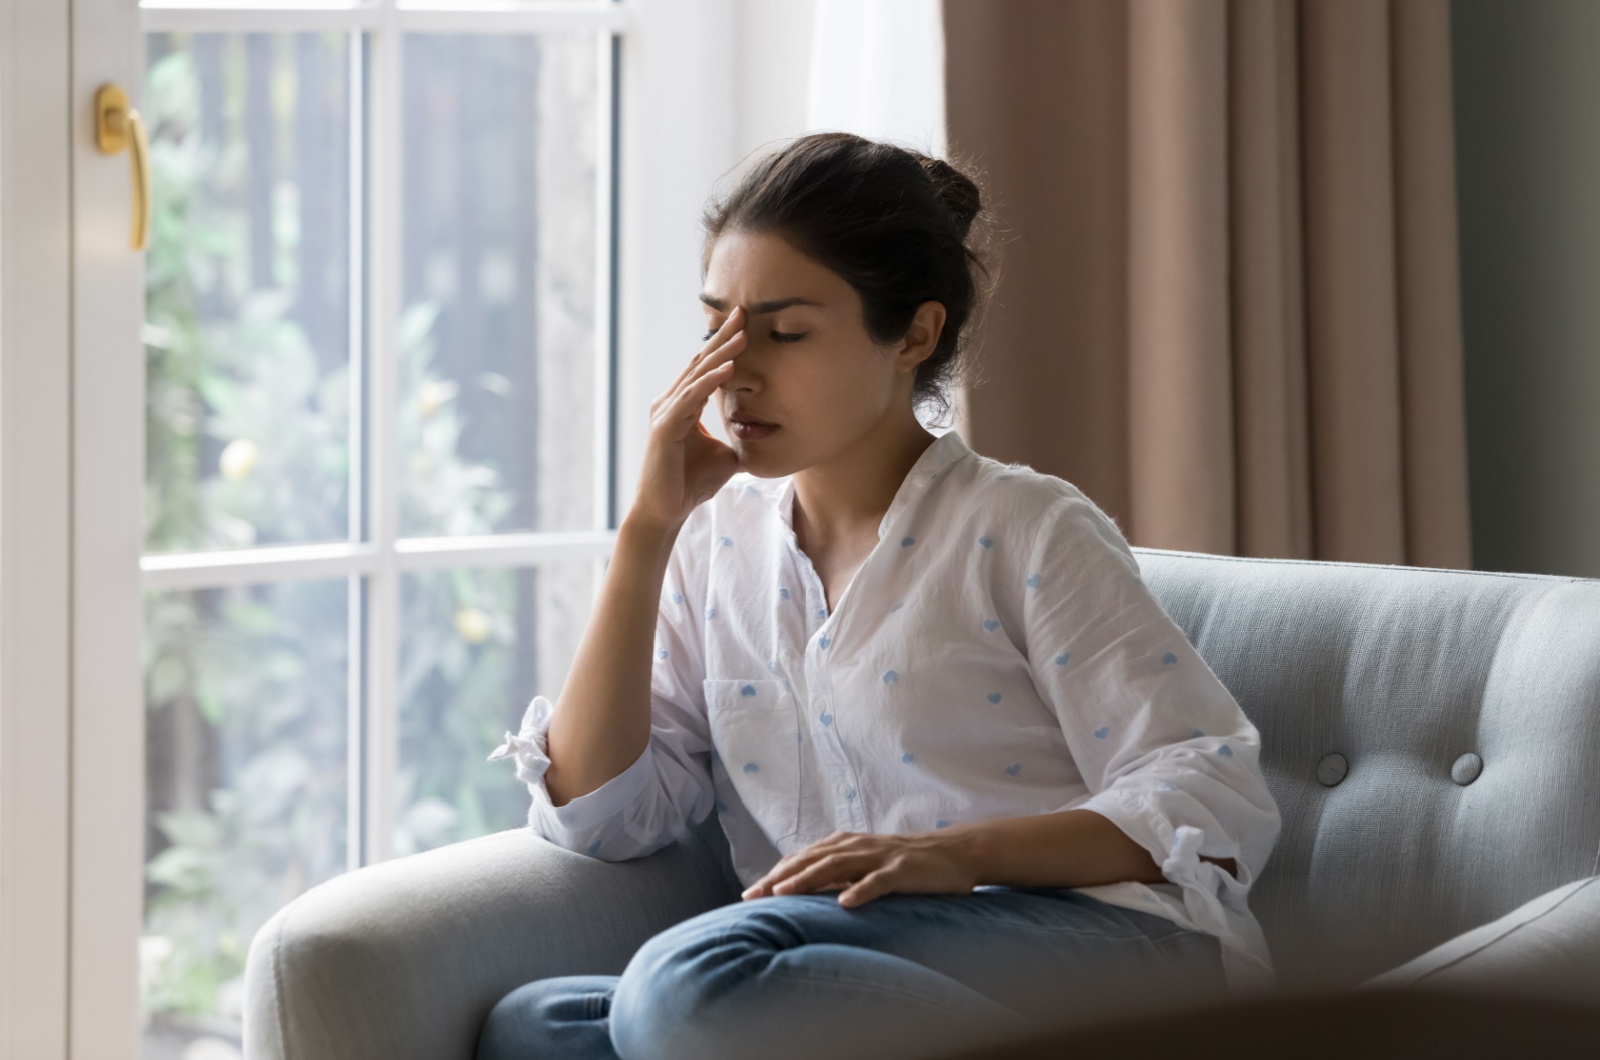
{"x": 601, "y": 723}
{"x": 1072, "y": 848}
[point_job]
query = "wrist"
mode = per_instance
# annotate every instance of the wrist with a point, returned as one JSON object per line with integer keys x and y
{"x": 967, "y": 845}
{"x": 639, "y": 530}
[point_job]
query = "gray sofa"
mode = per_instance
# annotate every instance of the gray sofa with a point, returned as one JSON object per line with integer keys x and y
{"x": 1432, "y": 738}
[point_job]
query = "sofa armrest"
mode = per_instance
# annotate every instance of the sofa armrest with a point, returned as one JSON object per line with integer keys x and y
{"x": 1548, "y": 947}
{"x": 405, "y": 959}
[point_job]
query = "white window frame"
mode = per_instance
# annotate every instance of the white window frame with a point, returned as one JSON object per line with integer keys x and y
{"x": 72, "y": 783}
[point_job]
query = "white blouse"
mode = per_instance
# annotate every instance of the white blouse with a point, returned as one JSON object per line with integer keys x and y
{"x": 995, "y": 655}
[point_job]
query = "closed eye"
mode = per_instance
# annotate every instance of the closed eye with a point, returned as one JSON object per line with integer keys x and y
{"x": 777, "y": 336}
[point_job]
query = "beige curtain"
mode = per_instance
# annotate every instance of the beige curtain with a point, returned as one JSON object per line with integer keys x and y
{"x": 1228, "y": 306}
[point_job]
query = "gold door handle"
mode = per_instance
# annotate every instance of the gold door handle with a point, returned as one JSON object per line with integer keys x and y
{"x": 118, "y": 126}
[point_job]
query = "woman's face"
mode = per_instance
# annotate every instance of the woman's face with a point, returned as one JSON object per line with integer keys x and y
{"x": 808, "y": 365}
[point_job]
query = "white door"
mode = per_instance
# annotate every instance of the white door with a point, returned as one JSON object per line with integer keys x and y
{"x": 70, "y": 466}
{"x": 302, "y": 502}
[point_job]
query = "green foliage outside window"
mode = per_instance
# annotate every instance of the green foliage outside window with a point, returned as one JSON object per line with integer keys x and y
{"x": 246, "y": 688}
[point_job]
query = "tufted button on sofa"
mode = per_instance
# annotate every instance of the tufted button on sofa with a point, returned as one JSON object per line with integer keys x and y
{"x": 1432, "y": 738}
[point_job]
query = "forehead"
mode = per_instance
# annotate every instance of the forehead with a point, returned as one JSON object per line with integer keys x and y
{"x": 758, "y": 269}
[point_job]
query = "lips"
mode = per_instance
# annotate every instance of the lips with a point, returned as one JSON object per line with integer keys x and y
{"x": 751, "y": 430}
{"x": 752, "y": 421}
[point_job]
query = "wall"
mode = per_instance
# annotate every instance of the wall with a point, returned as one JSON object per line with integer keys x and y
{"x": 773, "y": 69}
{"x": 1527, "y": 109}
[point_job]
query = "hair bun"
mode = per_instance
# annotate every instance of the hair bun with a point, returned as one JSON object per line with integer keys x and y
{"x": 956, "y": 190}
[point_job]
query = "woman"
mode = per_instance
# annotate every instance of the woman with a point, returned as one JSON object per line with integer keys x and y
{"x": 894, "y": 668}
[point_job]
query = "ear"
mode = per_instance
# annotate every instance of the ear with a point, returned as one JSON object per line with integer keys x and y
{"x": 921, "y": 337}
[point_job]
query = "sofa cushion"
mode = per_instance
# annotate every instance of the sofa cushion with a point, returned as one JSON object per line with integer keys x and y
{"x": 1549, "y": 947}
{"x": 1402, "y": 842}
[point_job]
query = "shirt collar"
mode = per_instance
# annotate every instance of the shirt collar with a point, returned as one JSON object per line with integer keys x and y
{"x": 940, "y": 454}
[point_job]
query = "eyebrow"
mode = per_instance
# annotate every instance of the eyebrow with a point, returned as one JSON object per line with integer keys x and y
{"x": 760, "y": 307}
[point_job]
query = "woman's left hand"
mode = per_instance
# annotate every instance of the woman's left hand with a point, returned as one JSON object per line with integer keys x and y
{"x": 868, "y": 865}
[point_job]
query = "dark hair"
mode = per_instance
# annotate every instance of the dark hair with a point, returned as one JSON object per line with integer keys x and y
{"x": 893, "y": 222}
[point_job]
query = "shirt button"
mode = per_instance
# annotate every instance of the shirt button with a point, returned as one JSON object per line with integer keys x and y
{"x": 845, "y": 790}
{"x": 821, "y": 704}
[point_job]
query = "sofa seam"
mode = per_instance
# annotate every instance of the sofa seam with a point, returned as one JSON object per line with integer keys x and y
{"x": 1504, "y": 934}
{"x": 1407, "y": 568}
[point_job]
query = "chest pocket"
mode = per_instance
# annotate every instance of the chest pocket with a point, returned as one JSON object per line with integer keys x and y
{"x": 755, "y": 727}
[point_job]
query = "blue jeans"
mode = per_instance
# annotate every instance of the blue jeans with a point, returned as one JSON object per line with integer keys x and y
{"x": 903, "y": 975}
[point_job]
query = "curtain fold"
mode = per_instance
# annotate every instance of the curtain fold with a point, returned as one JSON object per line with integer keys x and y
{"x": 1228, "y": 307}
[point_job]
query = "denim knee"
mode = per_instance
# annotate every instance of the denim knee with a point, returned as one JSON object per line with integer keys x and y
{"x": 533, "y": 1021}
{"x": 658, "y": 1011}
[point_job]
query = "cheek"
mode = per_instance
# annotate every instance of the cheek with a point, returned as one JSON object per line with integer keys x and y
{"x": 849, "y": 370}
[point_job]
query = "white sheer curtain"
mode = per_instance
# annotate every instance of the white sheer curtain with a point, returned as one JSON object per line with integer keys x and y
{"x": 877, "y": 69}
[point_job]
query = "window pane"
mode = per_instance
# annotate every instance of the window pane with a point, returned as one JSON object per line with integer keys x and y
{"x": 497, "y": 397}
{"x": 477, "y": 646}
{"x": 247, "y": 290}
{"x": 245, "y": 692}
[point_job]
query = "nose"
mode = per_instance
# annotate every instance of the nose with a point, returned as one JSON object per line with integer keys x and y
{"x": 743, "y": 377}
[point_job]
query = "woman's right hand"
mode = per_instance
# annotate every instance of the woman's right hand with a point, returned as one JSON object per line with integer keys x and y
{"x": 684, "y": 464}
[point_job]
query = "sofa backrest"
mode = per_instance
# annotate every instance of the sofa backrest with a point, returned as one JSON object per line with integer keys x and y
{"x": 1402, "y": 671}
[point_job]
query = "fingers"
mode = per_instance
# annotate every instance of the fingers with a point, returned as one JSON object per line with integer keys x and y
{"x": 688, "y": 399}
{"x": 832, "y": 869}
{"x": 685, "y": 409}
{"x": 836, "y": 844}
{"x": 868, "y": 887}
{"x": 732, "y": 325}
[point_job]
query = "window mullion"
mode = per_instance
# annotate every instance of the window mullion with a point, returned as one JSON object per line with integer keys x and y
{"x": 382, "y": 614}
{"x": 606, "y": 220}
{"x": 356, "y": 625}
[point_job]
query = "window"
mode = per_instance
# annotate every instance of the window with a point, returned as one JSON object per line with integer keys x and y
{"x": 381, "y": 440}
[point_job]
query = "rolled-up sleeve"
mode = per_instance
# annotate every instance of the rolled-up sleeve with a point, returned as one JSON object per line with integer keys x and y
{"x": 667, "y": 789}
{"x": 1164, "y": 749}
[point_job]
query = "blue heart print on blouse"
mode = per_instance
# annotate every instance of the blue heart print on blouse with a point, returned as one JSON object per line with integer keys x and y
{"x": 661, "y": 653}
{"x": 1102, "y": 732}
{"x": 594, "y": 847}
{"x": 898, "y": 606}
{"x": 751, "y": 767}
{"x": 941, "y": 824}
{"x": 826, "y": 719}
{"x": 994, "y": 697}
{"x": 1168, "y": 659}
{"x": 748, "y": 690}
{"x": 1033, "y": 581}
{"x": 890, "y": 676}
{"x": 727, "y": 542}
{"x": 1014, "y": 768}
{"x": 1061, "y": 660}
{"x": 908, "y": 758}
{"x": 772, "y": 664}
{"x": 991, "y": 624}
{"x": 1225, "y": 751}
{"x": 711, "y": 612}
{"x": 822, "y": 612}
{"x": 1197, "y": 735}
{"x": 783, "y": 592}
{"x": 823, "y": 642}
{"x": 907, "y": 542}
{"x": 985, "y": 542}
{"x": 722, "y": 807}
{"x": 751, "y": 489}
{"x": 677, "y": 598}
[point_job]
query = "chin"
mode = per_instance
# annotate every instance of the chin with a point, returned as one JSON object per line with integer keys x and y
{"x": 758, "y": 464}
